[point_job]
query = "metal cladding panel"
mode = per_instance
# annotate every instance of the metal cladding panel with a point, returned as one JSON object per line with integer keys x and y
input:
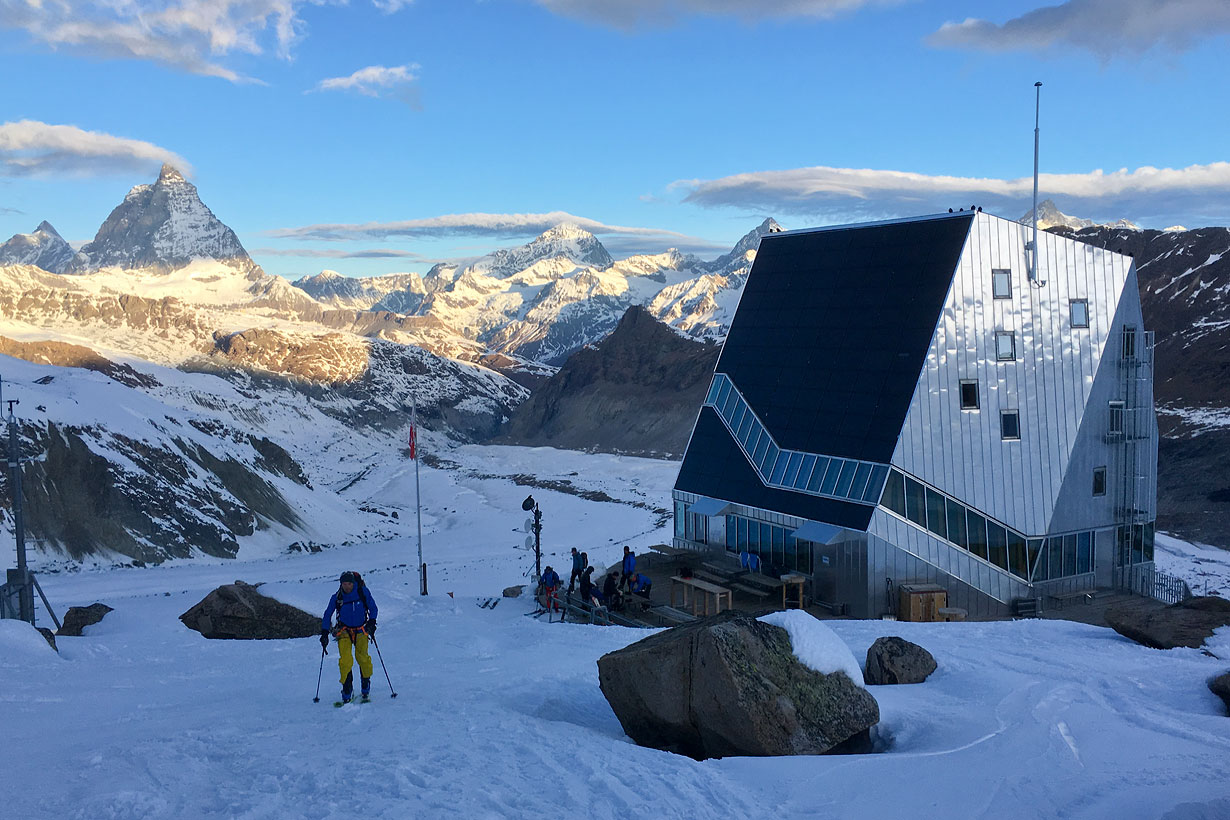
{"x": 1048, "y": 383}
{"x": 832, "y": 329}
{"x": 714, "y": 466}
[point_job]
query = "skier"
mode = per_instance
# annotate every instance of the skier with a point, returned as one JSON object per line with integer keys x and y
{"x": 550, "y": 584}
{"x": 578, "y": 566}
{"x": 356, "y": 619}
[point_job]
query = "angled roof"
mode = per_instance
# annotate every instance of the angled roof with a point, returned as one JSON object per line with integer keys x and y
{"x": 827, "y": 344}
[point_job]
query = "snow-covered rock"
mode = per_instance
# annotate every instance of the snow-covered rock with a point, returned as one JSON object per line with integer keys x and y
{"x": 44, "y": 248}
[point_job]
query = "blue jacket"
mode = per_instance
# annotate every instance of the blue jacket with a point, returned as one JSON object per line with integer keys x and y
{"x": 629, "y": 563}
{"x": 351, "y": 611}
{"x": 550, "y": 579}
{"x": 577, "y": 563}
{"x": 641, "y": 583}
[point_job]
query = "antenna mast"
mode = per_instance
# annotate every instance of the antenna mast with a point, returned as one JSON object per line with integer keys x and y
{"x": 1033, "y": 270}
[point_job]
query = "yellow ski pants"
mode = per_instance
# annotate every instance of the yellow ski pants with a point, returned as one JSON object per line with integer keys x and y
{"x": 344, "y": 662}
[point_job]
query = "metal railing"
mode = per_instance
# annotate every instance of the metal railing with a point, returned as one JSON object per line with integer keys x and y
{"x": 1153, "y": 583}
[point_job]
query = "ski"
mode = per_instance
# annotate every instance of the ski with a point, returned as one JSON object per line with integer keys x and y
{"x": 339, "y": 704}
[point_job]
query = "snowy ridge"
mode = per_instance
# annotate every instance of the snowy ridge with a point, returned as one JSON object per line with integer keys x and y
{"x": 44, "y": 248}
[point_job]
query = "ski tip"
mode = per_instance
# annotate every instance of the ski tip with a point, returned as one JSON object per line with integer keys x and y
{"x": 315, "y": 700}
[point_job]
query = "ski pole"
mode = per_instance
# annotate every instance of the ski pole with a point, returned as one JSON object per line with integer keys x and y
{"x": 319, "y": 672}
{"x": 382, "y": 666}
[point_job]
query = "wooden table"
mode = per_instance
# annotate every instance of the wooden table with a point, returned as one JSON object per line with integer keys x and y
{"x": 793, "y": 580}
{"x": 706, "y": 589}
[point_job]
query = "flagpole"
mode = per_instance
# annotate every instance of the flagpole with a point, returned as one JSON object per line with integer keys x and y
{"x": 418, "y": 501}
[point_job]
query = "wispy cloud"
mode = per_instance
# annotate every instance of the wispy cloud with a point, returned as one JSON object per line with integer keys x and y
{"x": 32, "y": 148}
{"x": 319, "y": 253}
{"x": 630, "y": 14}
{"x": 195, "y": 36}
{"x": 1146, "y": 194}
{"x": 378, "y": 81}
{"x": 1108, "y": 28}
{"x": 475, "y": 224}
{"x": 13, "y": 211}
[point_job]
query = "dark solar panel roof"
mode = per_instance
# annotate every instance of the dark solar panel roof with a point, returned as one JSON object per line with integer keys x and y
{"x": 833, "y": 327}
{"x": 715, "y": 466}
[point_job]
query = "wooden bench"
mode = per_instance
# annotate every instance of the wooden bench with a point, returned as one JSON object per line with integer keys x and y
{"x": 659, "y": 551}
{"x": 756, "y": 592}
{"x": 671, "y": 616}
{"x": 588, "y": 613}
{"x": 711, "y": 577}
{"x": 1062, "y": 598}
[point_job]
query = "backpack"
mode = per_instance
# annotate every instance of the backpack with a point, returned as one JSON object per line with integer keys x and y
{"x": 360, "y": 588}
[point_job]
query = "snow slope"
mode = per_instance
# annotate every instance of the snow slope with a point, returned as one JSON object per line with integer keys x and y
{"x": 500, "y": 715}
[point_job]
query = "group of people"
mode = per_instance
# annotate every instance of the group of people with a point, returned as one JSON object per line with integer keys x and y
{"x": 610, "y": 595}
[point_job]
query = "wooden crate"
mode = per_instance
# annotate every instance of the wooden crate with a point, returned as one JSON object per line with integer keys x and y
{"x": 920, "y": 602}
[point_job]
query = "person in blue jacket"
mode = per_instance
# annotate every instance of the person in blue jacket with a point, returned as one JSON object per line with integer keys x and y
{"x": 627, "y": 568}
{"x": 356, "y": 619}
{"x": 550, "y": 587}
{"x": 640, "y": 584}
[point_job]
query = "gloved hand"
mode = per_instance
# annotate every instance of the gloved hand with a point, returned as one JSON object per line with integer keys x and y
{"x": 370, "y": 626}
{"x": 324, "y": 639}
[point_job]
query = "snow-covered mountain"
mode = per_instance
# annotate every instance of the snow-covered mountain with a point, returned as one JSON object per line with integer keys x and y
{"x": 1049, "y": 216}
{"x": 359, "y": 293}
{"x": 162, "y": 227}
{"x": 44, "y": 248}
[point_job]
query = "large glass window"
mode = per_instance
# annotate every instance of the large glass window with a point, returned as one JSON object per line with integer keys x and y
{"x": 1054, "y": 552}
{"x": 792, "y": 469}
{"x": 997, "y": 545}
{"x": 779, "y": 546}
{"x": 762, "y": 447}
{"x": 1034, "y": 548}
{"x": 875, "y": 484}
{"x": 680, "y": 512}
{"x": 724, "y": 391}
{"x": 829, "y": 486}
{"x": 1129, "y": 342}
{"x": 976, "y": 531}
{"x": 1005, "y": 345}
{"x": 1069, "y": 555}
{"x": 1018, "y": 561}
{"x": 1078, "y": 311}
{"x": 767, "y": 458}
{"x": 1114, "y": 423}
{"x": 860, "y": 481}
{"x": 894, "y": 493}
{"x": 1084, "y": 552}
{"x": 809, "y": 464}
{"x": 1147, "y": 541}
{"x": 956, "y": 524}
{"x": 778, "y": 476}
{"x": 915, "y": 502}
{"x": 745, "y": 426}
{"x": 742, "y": 539}
{"x": 1001, "y": 283}
{"x": 714, "y": 389}
{"x": 817, "y": 475}
{"x": 846, "y": 478}
{"x": 936, "y": 515}
{"x": 732, "y": 526}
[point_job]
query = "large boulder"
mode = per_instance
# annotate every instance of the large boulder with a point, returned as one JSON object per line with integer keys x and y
{"x": 893, "y": 660}
{"x": 1188, "y": 623}
{"x": 79, "y": 617}
{"x": 239, "y": 611}
{"x": 731, "y": 685}
{"x": 1220, "y": 686}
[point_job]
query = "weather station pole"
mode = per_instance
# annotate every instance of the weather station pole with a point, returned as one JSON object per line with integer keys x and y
{"x": 530, "y": 504}
{"x": 1034, "y": 273}
{"x": 418, "y": 500}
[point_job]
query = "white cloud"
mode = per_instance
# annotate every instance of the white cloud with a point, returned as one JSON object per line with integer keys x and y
{"x": 320, "y": 253}
{"x": 1146, "y": 194}
{"x": 187, "y": 35}
{"x": 377, "y": 81}
{"x": 627, "y": 14}
{"x": 31, "y": 148}
{"x": 1108, "y": 28}
{"x": 474, "y": 224}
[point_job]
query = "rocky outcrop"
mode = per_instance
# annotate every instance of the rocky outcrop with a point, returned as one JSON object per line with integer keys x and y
{"x": 62, "y": 354}
{"x": 239, "y": 611}
{"x": 893, "y": 660}
{"x": 731, "y": 685}
{"x": 636, "y": 392}
{"x": 1220, "y": 686}
{"x": 79, "y": 617}
{"x": 1188, "y": 623}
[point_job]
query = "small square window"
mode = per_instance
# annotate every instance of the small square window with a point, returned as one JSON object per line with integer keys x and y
{"x": 1005, "y": 345}
{"x": 969, "y": 395}
{"x": 1010, "y": 425}
{"x": 1129, "y": 342}
{"x": 1078, "y": 311}
{"x": 1099, "y": 481}
{"x": 1001, "y": 284}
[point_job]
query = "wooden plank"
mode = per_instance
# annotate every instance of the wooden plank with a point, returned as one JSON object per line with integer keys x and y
{"x": 759, "y": 593}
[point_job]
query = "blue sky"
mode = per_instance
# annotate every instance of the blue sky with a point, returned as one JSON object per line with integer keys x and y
{"x": 370, "y": 138}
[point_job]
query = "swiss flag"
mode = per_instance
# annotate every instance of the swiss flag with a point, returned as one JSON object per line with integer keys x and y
{"x": 413, "y": 442}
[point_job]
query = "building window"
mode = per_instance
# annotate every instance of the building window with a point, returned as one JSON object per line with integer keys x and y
{"x": 1099, "y": 481}
{"x": 1078, "y": 311}
{"x": 1129, "y": 342}
{"x": 1114, "y": 424}
{"x": 969, "y": 394}
{"x": 1010, "y": 425}
{"x": 1001, "y": 284}
{"x": 1005, "y": 345}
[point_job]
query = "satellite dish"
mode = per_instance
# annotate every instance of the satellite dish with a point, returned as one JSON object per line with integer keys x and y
{"x": 529, "y": 542}
{"x": 529, "y": 525}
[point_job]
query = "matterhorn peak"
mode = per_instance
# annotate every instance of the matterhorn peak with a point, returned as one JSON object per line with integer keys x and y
{"x": 163, "y": 227}
{"x": 169, "y": 174}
